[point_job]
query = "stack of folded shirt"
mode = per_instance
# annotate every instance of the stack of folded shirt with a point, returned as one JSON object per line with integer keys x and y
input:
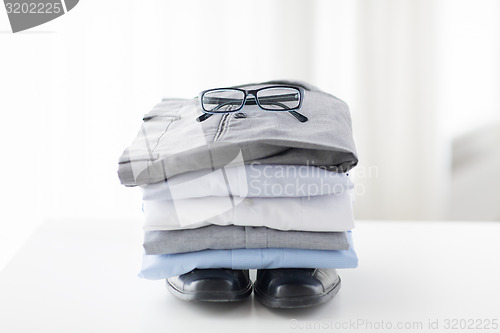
{"x": 255, "y": 192}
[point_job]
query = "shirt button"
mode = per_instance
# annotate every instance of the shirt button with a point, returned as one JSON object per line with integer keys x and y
{"x": 240, "y": 115}
{"x": 248, "y": 202}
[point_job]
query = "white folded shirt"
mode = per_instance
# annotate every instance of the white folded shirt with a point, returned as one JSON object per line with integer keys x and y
{"x": 254, "y": 180}
{"x": 316, "y": 213}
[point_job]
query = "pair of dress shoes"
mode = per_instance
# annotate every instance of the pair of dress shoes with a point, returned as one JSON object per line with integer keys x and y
{"x": 275, "y": 288}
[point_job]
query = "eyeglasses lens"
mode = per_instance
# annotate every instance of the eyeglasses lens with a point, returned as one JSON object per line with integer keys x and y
{"x": 223, "y": 100}
{"x": 279, "y": 99}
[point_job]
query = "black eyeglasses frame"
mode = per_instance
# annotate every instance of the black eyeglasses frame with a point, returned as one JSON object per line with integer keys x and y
{"x": 255, "y": 101}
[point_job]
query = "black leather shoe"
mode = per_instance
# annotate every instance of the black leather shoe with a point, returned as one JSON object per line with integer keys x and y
{"x": 295, "y": 287}
{"x": 211, "y": 285}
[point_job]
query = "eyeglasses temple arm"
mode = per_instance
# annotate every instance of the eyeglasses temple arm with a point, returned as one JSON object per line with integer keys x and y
{"x": 300, "y": 117}
{"x": 204, "y": 117}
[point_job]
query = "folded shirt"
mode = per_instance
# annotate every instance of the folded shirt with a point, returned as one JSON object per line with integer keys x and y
{"x": 235, "y": 237}
{"x": 330, "y": 213}
{"x": 254, "y": 180}
{"x": 155, "y": 267}
{"x": 171, "y": 142}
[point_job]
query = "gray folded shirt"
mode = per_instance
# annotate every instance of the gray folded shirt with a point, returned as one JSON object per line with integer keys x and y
{"x": 172, "y": 142}
{"x": 236, "y": 237}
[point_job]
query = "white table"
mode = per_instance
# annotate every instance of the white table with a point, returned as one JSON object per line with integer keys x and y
{"x": 80, "y": 276}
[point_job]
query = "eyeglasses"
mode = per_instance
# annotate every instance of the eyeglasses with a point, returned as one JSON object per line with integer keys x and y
{"x": 272, "y": 98}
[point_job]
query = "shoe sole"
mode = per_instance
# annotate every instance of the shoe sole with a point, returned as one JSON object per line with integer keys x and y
{"x": 219, "y": 297}
{"x": 296, "y": 302}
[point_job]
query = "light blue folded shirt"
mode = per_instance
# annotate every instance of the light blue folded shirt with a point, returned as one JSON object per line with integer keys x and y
{"x": 156, "y": 267}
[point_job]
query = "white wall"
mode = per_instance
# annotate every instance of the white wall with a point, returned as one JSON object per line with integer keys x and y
{"x": 427, "y": 72}
{"x": 468, "y": 46}
{"x": 397, "y": 118}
